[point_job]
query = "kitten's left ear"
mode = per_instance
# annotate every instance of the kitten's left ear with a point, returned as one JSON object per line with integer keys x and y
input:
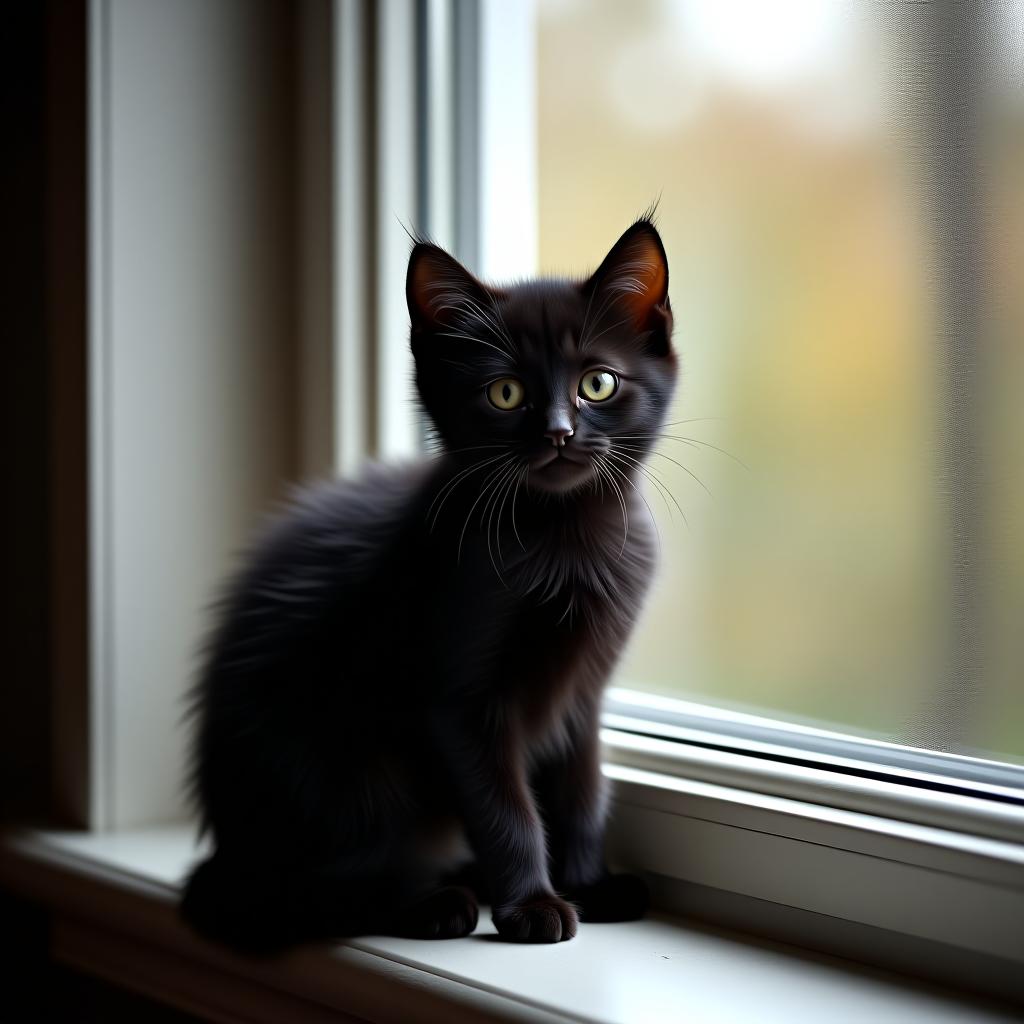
{"x": 635, "y": 275}
{"x": 439, "y": 289}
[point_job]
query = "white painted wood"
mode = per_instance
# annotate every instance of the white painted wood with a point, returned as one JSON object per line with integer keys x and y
{"x": 896, "y": 895}
{"x": 351, "y": 249}
{"x": 190, "y": 370}
{"x": 910, "y": 801}
{"x": 439, "y": 158}
{"x": 660, "y": 969}
{"x": 396, "y": 210}
{"x": 100, "y": 385}
{"x": 315, "y": 262}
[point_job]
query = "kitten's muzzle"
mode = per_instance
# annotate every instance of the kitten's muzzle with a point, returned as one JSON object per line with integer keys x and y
{"x": 547, "y": 458}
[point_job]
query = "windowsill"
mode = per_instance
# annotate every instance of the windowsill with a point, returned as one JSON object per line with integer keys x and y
{"x": 113, "y": 899}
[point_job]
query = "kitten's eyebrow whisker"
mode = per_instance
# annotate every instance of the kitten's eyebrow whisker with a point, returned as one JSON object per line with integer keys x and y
{"x": 586, "y": 320}
{"x": 500, "y": 329}
{"x": 501, "y": 320}
{"x": 474, "y": 324}
{"x": 584, "y": 335}
{"x": 618, "y": 323}
{"x": 504, "y": 353}
{"x": 479, "y": 330}
{"x": 606, "y": 301}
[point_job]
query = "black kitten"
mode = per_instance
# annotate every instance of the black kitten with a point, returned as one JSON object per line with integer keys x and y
{"x": 415, "y": 659}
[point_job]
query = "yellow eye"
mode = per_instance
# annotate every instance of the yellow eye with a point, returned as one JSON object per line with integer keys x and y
{"x": 598, "y": 385}
{"x": 506, "y": 393}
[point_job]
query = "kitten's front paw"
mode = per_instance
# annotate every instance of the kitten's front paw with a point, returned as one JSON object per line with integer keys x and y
{"x": 449, "y": 913}
{"x": 542, "y": 919}
{"x": 612, "y": 898}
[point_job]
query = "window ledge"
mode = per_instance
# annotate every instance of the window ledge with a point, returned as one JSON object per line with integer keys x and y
{"x": 113, "y": 898}
{"x": 717, "y": 838}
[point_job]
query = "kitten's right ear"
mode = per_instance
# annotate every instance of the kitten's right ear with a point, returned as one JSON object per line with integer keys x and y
{"x": 440, "y": 290}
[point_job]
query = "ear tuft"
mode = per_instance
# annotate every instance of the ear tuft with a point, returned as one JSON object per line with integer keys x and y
{"x": 436, "y": 286}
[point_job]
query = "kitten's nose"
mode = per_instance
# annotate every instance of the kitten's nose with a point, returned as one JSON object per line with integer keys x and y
{"x": 559, "y": 433}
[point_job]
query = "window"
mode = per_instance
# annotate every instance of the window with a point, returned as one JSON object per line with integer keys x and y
{"x": 794, "y": 743}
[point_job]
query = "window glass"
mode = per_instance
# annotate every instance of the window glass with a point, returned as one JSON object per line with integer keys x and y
{"x": 814, "y": 582}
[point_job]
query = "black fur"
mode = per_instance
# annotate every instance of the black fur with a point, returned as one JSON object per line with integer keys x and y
{"x": 415, "y": 659}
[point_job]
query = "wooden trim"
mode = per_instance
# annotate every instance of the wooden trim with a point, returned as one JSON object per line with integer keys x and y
{"x": 179, "y": 981}
{"x": 68, "y": 448}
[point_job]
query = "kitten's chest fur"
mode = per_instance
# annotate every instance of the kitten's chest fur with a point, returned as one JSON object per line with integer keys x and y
{"x": 560, "y": 599}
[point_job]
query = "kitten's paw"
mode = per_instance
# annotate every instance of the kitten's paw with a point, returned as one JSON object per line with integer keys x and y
{"x": 612, "y": 898}
{"x": 542, "y": 919}
{"x": 449, "y": 913}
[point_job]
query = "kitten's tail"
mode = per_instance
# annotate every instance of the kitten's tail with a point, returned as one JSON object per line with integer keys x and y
{"x": 223, "y": 904}
{"x": 261, "y": 909}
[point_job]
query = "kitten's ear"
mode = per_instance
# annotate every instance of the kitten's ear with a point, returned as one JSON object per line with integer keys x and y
{"x": 635, "y": 276}
{"x": 439, "y": 289}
